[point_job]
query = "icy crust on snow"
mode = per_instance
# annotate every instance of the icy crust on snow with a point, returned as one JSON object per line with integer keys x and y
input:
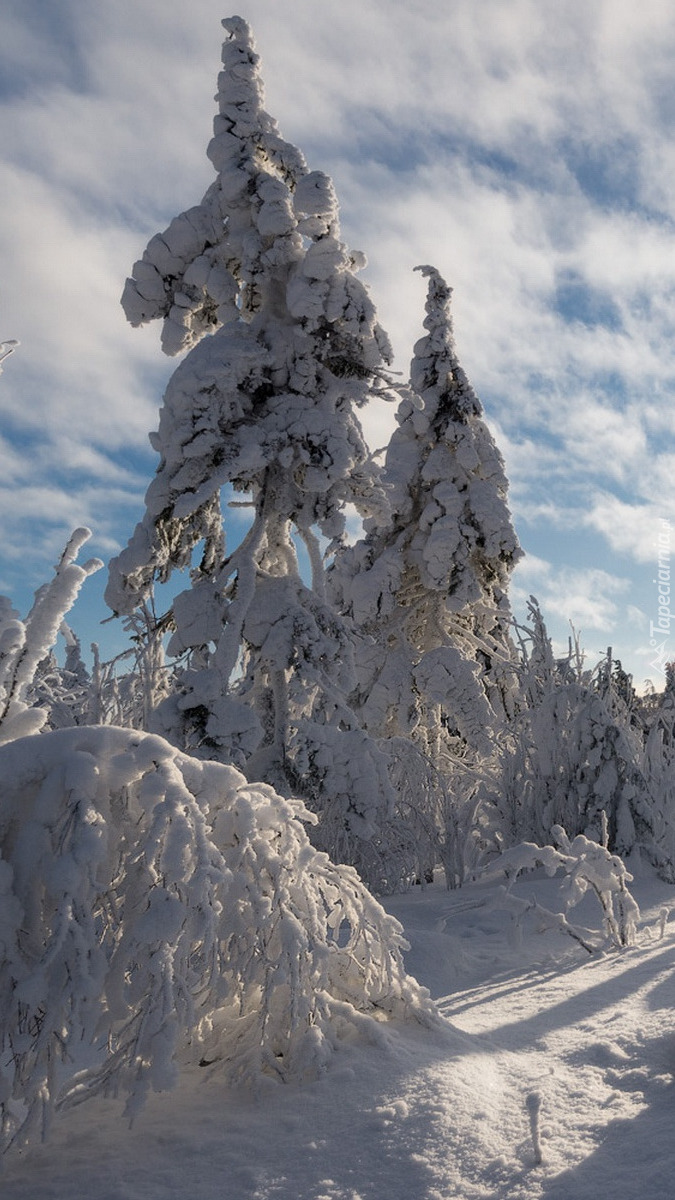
{"x": 156, "y": 907}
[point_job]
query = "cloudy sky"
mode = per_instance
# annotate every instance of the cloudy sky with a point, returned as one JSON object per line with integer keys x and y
{"x": 524, "y": 147}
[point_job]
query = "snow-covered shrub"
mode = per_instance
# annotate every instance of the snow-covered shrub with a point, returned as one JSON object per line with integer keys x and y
{"x": 408, "y": 847}
{"x": 65, "y": 689}
{"x": 585, "y": 867}
{"x": 342, "y": 775}
{"x": 570, "y": 753}
{"x": 127, "y": 689}
{"x": 24, "y": 645}
{"x": 156, "y": 907}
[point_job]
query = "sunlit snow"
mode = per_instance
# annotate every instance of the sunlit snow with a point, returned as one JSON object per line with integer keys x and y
{"x": 437, "y": 1116}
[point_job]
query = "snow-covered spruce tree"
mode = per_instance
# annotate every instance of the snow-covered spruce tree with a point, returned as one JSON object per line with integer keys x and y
{"x": 158, "y": 911}
{"x": 427, "y": 587}
{"x": 265, "y": 406}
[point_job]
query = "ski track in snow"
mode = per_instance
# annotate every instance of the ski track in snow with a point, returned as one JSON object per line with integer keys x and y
{"x": 442, "y": 1115}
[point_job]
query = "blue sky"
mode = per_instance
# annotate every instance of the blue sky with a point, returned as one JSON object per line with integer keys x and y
{"x": 524, "y": 147}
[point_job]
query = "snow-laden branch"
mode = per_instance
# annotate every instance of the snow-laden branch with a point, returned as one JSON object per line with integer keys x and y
{"x": 587, "y": 867}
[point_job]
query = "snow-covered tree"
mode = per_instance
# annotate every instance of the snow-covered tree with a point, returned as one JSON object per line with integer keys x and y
{"x": 63, "y": 689}
{"x": 427, "y": 586}
{"x": 264, "y": 407}
{"x": 572, "y": 756}
{"x": 158, "y": 909}
{"x": 26, "y": 644}
{"x": 659, "y": 772}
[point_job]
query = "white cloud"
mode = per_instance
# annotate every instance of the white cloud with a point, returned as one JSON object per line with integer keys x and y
{"x": 587, "y": 597}
{"x": 630, "y": 529}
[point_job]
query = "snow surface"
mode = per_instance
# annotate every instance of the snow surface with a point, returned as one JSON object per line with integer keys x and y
{"x": 433, "y": 1115}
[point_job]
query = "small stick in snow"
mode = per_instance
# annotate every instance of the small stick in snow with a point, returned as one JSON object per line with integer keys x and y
{"x": 533, "y": 1106}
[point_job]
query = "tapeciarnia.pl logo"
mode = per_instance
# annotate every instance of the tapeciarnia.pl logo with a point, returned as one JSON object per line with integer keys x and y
{"x": 659, "y": 630}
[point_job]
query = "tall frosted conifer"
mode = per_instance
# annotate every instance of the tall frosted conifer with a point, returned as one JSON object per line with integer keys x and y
{"x": 426, "y": 591}
{"x": 428, "y": 588}
{"x": 265, "y": 406}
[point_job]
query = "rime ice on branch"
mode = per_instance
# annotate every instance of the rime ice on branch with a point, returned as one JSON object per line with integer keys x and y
{"x": 266, "y": 407}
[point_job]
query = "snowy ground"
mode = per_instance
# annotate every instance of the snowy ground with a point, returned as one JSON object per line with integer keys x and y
{"x": 427, "y": 1116}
